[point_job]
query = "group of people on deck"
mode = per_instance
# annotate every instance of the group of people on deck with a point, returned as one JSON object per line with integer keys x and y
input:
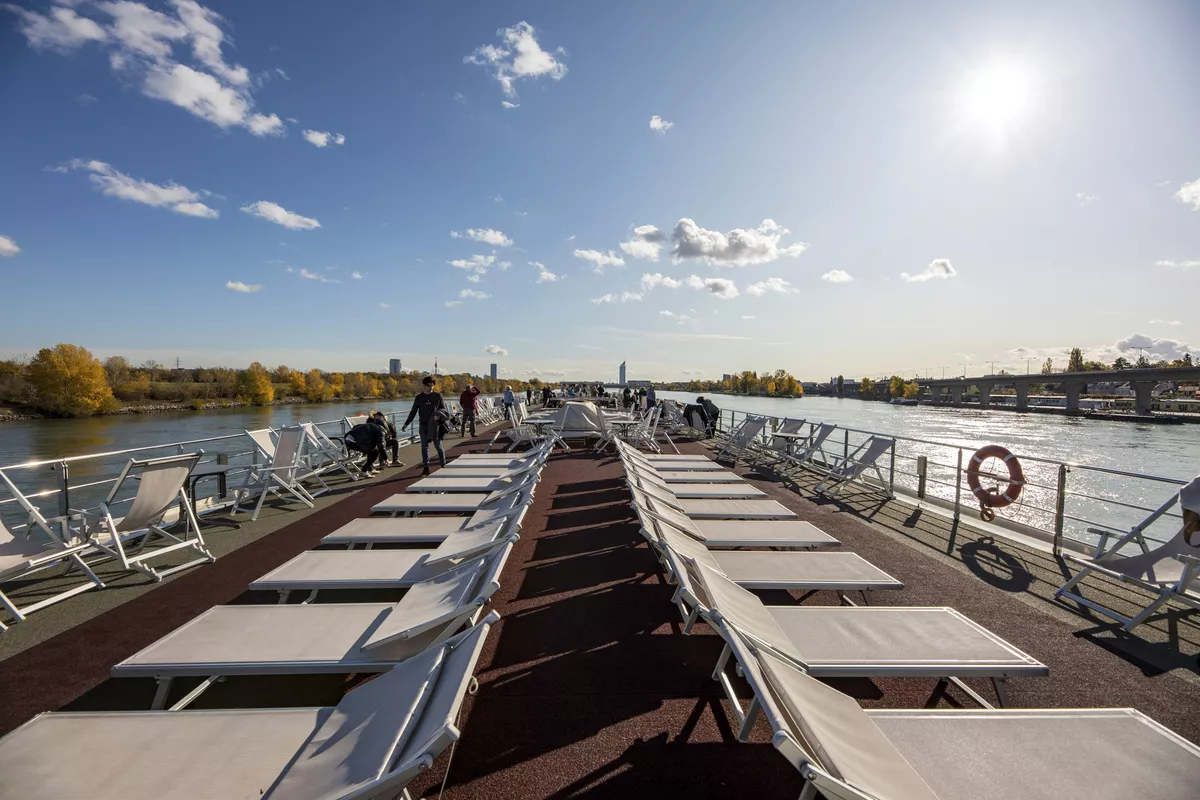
{"x": 375, "y": 436}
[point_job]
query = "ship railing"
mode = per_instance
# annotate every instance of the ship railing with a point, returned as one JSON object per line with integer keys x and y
{"x": 61, "y": 486}
{"x": 1069, "y": 505}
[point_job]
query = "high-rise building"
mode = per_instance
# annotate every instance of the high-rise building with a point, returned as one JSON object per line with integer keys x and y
{"x": 495, "y": 372}
{"x": 394, "y": 367}
{"x": 621, "y": 381}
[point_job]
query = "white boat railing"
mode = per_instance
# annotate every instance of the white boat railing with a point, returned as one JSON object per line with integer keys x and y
{"x": 1062, "y": 502}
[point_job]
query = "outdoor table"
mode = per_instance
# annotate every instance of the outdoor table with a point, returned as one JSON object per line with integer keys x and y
{"x": 209, "y": 469}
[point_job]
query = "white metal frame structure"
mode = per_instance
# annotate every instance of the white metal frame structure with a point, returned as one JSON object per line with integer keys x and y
{"x": 283, "y": 476}
{"x": 851, "y": 468}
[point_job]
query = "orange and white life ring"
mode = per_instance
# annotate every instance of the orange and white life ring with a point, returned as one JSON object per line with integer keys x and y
{"x": 992, "y": 498}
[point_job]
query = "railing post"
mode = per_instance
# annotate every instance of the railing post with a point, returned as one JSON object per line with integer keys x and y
{"x": 892, "y": 470}
{"x": 64, "y": 488}
{"x": 1060, "y": 507}
{"x": 922, "y": 467}
{"x": 958, "y": 486}
{"x": 845, "y": 444}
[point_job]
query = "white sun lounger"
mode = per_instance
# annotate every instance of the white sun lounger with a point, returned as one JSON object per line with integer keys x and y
{"x": 372, "y": 744}
{"x": 530, "y": 471}
{"x": 317, "y": 570}
{"x": 847, "y": 753}
{"x": 635, "y": 460}
{"x": 318, "y": 638}
{"x": 694, "y": 491}
{"x": 415, "y": 530}
{"x": 445, "y": 503}
{"x": 852, "y": 641}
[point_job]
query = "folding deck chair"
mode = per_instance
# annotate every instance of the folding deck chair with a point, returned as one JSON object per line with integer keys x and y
{"x": 857, "y": 642}
{"x": 846, "y": 753}
{"x": 319, "y": 638}
{"x": 852, "y": 468}
{"x": 380, "y": 736}
{"x": 368, "y": 532}
{"x": 323, "y": 455}
{"x": 739, "y": 442}
{"x": 283, "y": 475}
{"x": 28, "y": 554}
{"x": 789, "y": 462}
{"x": 316, "y": 570}
{"x": 1168, "y": 571}
{"x": 776, "y": 450}
{"x": 160, "y": 488}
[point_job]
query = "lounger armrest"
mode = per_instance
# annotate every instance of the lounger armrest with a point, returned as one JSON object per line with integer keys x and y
{"x": 1193, "y": 560}
{"x": 55, "y": 555}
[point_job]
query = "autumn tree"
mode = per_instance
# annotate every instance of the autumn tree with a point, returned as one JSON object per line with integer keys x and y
{"x": 68, "y": 381}
{"x": 841, "y": 385}
{"x": 1075, "y": 361}
{"x": 316, "y": 390}
{"x": 866, "y": 388}
{"x": 255, "y": 385}
{"x": 896, "y": 386}
{"x": 912, "y": 390}
{"x": 296, "y": 382}
{"x": 337, "y": 383}
{"x": 282, "y": 374}
{"x": 1121, "y": 363}
{"x": 117, "y": 370}
{"x": 391, "y": 388}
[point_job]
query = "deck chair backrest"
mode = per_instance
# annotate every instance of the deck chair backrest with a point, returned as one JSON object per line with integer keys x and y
{"x": 753, "y": 427}
{"x": 32, "y": 512}
{"x": 161, "y": 480}
{"x": 498, "y": 495}
{"x": 288, "y": 451}
{"x": 264, "y": 442}
{"x": 695, "y": 419}
{"x": 503, "y": 508}
{"x": 1160, "y": 564}
{"x": 868, "y": 453}
{"x": 790, "y": 425}
{"x": 834, "y": 732}
{"x": 686, "y": 547}
{"x": 744, "y": 611}
{"x": 819, "y": 435}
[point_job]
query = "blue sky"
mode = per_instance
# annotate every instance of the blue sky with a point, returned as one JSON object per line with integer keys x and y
{"x": 829, "y": 188}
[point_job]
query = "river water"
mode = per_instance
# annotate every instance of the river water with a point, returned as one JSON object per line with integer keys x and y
{"x": 1166, "y": 450}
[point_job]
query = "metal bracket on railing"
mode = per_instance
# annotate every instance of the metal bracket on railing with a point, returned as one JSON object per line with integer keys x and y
{"x": 64, "y": 488}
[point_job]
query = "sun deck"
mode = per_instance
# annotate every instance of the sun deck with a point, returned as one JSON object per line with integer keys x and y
{"x": 587, "y": 685}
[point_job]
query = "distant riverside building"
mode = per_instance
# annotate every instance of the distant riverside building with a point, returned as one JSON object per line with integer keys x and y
{"x": 725, "y": 377}
{"x": 394, "y": 367}
{"x": 621, "y": 380}
{"x": 495, "y": 372}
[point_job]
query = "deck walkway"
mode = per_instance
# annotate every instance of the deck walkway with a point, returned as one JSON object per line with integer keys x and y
{"x": 587, "y": 685}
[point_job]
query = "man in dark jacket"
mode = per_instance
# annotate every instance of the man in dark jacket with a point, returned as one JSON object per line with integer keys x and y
{"x": 467, "y": 401}
{"x": 711, "y": 411}
{"x": 368, "y": 440}
{"x": 390, "y": 440}
{"x": 430, "y": 410}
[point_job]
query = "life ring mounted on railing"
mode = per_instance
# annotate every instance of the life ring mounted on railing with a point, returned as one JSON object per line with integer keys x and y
{"x": 992, "y": 498}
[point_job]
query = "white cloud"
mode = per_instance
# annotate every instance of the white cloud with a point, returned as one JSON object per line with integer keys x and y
{"x": 544, "y": 275}
{"x": 509, "y": 105}
{"x": 1177, "y": 264}
{"x": 1155, "y": 349}
{"x": 1084, "y": 198}
{"x": 600, "y": 260}
{"x": 245, "y": 288}
{"x": 273, "y": 212}
{"x": 938, "y": 269}
{"x": 749, "y": 316}
{"x": 837, "y": 276}
{"x": 452, "y": 303}
{"x": 322, "y": 138}
{"x": 85, "y": 100}
{"x": 495, "y": 350}
{"x": 721, "y": 287}
{"x": 316, "y": 276}
{"x": 484, "y": 235}
{"x": 645, "y": 243}
{"x": 62, "y": 29}
{"x": 651, "y": 280}
{"x": 623, "y": 297}
{"x": 358, "y": 276}
{"x": 518, "y": 57}
{"x": 142, "y": 45}
{"x": 471, "y": 294}
{"x": 778, "y": 285}
{"x": 660, "y": 125}
{"x": 385, "y": 305}
{"x": 1165, "y": 322}
{"x": 571, "y": 238}
{"x": 479, "y": 265}
{"x": 680, "y": 318}
{"x": 8, "y": 247}
{"x": 1190, "y": 193}
{"x": 172, "y": 196}
{"x": 737, "y": 248}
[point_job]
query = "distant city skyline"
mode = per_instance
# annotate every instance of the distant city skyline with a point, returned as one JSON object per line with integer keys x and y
{"x": 978, "y": 188}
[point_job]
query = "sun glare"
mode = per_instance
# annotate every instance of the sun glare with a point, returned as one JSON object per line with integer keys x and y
{"x": 997, "y": 99}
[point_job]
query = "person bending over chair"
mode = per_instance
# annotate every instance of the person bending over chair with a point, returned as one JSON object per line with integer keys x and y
{"x": 426, "y": 407}
{"x": 390, "y": 440}
{"x": 367, "y": 439}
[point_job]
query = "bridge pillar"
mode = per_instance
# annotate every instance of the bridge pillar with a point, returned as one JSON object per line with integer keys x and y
{"x": 1072, "y": 391}
{"x": 1141, "y": 393}
{"x": 985, "y": 395}
{"x": 956, "y": 393}
{"x": 1022, "y": 396}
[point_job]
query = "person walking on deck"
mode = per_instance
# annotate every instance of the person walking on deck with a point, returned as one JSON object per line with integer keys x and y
{"x": 428, "y": 407}
{"x": 529, "y": 395}
{"x": 509, "y": 400}
{"x": 651, "y": 398}
{"x": 467, "y": 401}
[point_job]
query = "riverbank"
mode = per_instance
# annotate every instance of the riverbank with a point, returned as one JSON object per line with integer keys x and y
{"x": 22, "y": 413}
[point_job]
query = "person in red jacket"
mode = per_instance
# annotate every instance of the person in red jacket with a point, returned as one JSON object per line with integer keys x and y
{"x": 467, "y": 401}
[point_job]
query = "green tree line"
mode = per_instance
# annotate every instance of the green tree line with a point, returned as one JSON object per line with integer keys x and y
{"x": 68, "y": 381}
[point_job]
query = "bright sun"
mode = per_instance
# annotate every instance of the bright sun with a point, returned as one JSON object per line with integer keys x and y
{"x": 997, "y": 99}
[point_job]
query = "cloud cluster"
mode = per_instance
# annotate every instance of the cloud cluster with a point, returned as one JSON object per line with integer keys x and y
{"x": 316, "y": 276}
{"x": 719, "y": 287}
{"x": 244, "y": 288}
{"x": 1177, "y": 264}
{"x": 1084, "y": 198}
{"x": 322, "y": 138}
{"x": 519, "y": 56}
{"x": 114, "y": 183}
{"x": 495, "y": 350}
{"x": 599, "y": 260}
{"x": 645, "y": 243}
{"x": 1156, "y": 349}
{"x": 777, "y": 285}
{"x": 485, "y": 236}
{"x": 623, "y": 297}
{"x": 738, "y": 248}
{"x": 837, "y": 276}
{"x": 1190, "y": 193}
{"x": 8, "y": 247}
{"x": 660, "y": 125}
{"x": 471, "y": 294}
{"x": 651, "y": 280}
{"x": 939, "y": 269}
{"x": 544, "y": 275}
{"x": 273, "y": 212}
{"x": 479, "y": 266}
{"x": 149, "y": 47}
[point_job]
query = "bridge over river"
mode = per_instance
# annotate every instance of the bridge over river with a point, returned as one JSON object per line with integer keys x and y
{"x": 1073, "y": 384}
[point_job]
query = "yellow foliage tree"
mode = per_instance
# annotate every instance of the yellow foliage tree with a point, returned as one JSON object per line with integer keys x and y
{"x": 866, "y": 388}
{"x": 912, "y": 390}
{"x": 68, "y": 381}
{"x": 256, "y": 385}
{"x": 337, "y": 382}
{"x": 296, "y": 382}
{"x": 391, "y": 388}
{"x": 896, "y": 387}
{"x": 316, "y": 390}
